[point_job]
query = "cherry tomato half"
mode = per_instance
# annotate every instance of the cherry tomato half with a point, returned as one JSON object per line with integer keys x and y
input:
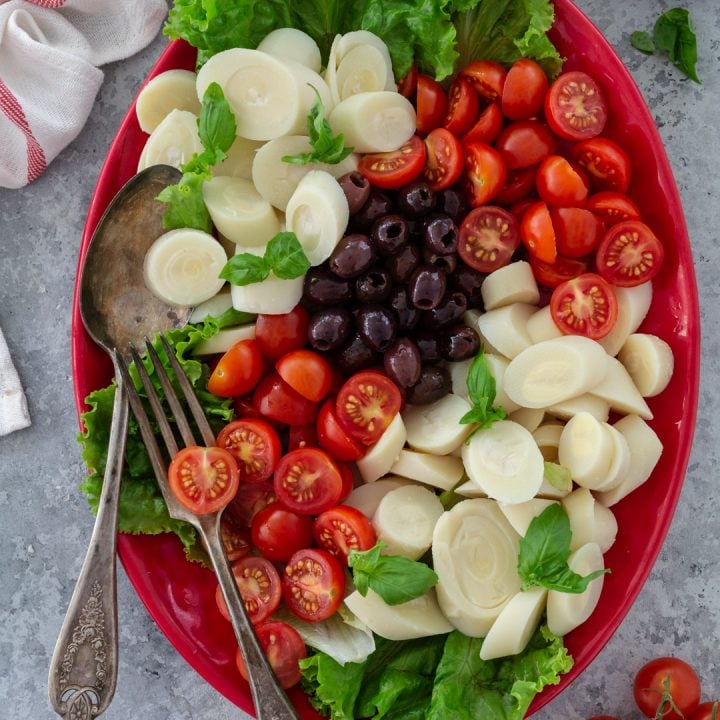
{"x": 605, "y": 162}
{"x": 342, "y": 529}
{"x": 301, "y": 436}
{"x": 235, "y": 538}
{"x": 538, "y": 234}
{"x": 333, "y": 438}
{"x": 525, "y": 143}
{"x": 254, "y": 445}
{"x": 307, "y": 481}
{"x": 279, "y": 334}
{"x": 524, "y": 90}
{"x": 563, "y": 269}
{"x": 484, "y": 173}
{"x": 585, "y": 305}
{"x": 463, "y": 107}
{"x": 518, "y": 185}
{"x": 275, "y": 399}
{"x": 488, "y": 237}
{"x": 306, "y": 372}
{"x": 392, "y": 170}
{"x": 431, "y": 104}
{"x": 367, "y": 404}
{"x": 577, "y": 231}
{"x": 560, "y": 184}
{"x": 278, "y": 532}
{"x": 613, "y": 207}
{"x": 707, "y": 711}
{"x": 487, "y": 77}
{"x": 664, "y": 678}
{"x": 259, "y": 586}
{"x": 629, "y": 254}
{"x": 444, "y": 159}
{"x": 487, "y": 127}
{"x": 313, "y": 584}
{"x": 238, "y": 371}
{"x": 575, "y": 107}
{"x": 283, "y": 647}
{"x": 203, "y": 479}
{"x": 407, "y": 87}
{"x": 251, "y": 499}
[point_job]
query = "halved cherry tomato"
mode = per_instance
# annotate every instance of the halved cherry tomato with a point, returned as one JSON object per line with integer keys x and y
{"x": 463, "y": 107}
{"x": 484, "y": 173}
{"x": 518, "y": 184}
{"x": 431, "y": 104}
{"x": 707, "y": 711}
{"x": 275, "y": 399}
{"x": 577, "y": 231}
{"x": 392, "y": 170}
{"x": 605, "y": 162}
{"x": 524, "y": 90}
{"x": 342, "y": 529}
{"x": 537, "y": 232}
{"x": 444, "y": 159}
{"x": 525, "y": 143}
{"x": 203, "y": 479}
{"x": 487, "y": 77}
{"x": 259, "y": 585}
{"x": 254, "y": 445}
{"x": 667, "y": 688}
{"x": 238, "y": 371}
{"x": 585, "y": 305}
{"x": 283, "y": 647}
{"x": 560, "y": 184}
{"x": 313, "y": 584}
{"x": 307, "y": 481}
{"x": 367, "y": 404}
{"x": 517, "y": 210}
{"x": 332, "y": 436}
{"x": 488, "y": 237}
{"x": 408, "y": 85}
{"x": 306, "y": 372}
{"x": 250, "y": 500}
{"x": 235, "y": 538}
{"x": 629, "y": 254}
{"x": 279, "y": 334}
{"x": 245, "y": 410}
{"x": 487, "y": 127}
{"x": 301, "y": 436}
{"x": 613, "y": 207}
{"x": 563, "y": 269}
{"x": 278, "y": 532}
{"x": 575, "y": 107}
{"x": 348, "y": 479}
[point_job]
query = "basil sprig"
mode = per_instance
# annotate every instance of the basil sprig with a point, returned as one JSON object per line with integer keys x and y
{"x": 481, "y": 393}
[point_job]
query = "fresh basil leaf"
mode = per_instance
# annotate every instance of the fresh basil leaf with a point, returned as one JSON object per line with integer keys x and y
{"x": 558, "y": 476}
{"x": 285, "y": 256}
{"x": 674, "y": 33}
{"x": 186, "y": 207}
{"x": 245, "y": 269}
{"x": 544, "y": 552}
{"x": 216, "y": 123}
{"x": 394, "y": 578}
{"x": 481, "y": 393}
{"x": 643, "y": 42}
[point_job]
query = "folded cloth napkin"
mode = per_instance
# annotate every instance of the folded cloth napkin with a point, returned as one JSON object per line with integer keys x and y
{"x": 49, "y": 50}
{"x": 13, "y": 408}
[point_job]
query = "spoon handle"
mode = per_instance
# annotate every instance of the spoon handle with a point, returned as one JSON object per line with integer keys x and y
{"x": 270, "y": 700}
{"x": 83, "y": 669}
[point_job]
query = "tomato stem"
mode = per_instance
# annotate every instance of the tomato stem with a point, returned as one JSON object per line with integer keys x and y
{"x": 667, "y": 704}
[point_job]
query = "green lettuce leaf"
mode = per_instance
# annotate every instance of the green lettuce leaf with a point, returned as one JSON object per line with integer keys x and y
{"x": 332, "y": 688}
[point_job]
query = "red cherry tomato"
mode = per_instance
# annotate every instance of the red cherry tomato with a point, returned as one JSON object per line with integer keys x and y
{"x": 585, "y": 305}
{"x": 525, "y": 143}
{"x": 235, "y": 538}
{"x": 306, "y": 372}
{"x": 487, "y": 127}
{"x": 487, "y": 77}
{"x": 577, "y": 231}
{"x": 431, "y": 104}
{"x": 524, "y": 90}
{"x": 662, "y": 679}
{"x": 254, "y": 445}
{"x": 279, "y": 334}
{"x": 259, "y": 585}
{"x": 629, "y": 254}
{"x": 245, "y": 410}
{"x": 342, "y": 529}
{"x": 484, "y": 173}
{"x": 488, "y": 237}
{"x": 605, "y": 162}
{"x": 463, "y": 107}
{"x": 275, "y": 399}
{"x": 348, "y": 480}
{"x": 517, "y": 210}
{"x": 203, "y": 479}
{"x": 307, "y": 481}
{"x": 394, "y": 169}
{"x": 407, "y": 87}
{"x": 238, "y": 371}
{"x": 560, "y": 184}
{"x": 332, "y": 436}
{"x": 278, "y": 532}
{"x": 445, "y": 159}
{"x": 250, "y": 500}
{"x": 707, "y": 711}
{"x": 367, "y": 404}
{"x": 538, "y": 234}
{"x": 518, "y": 185}
{"x": 575, "y": 107}
{"x": 563, "y": 269}
{"x": 302, "y": 436}
{"x": 283, "y": 647}
{"x": 613, "y": 207}
{"x": 313, "y": 584}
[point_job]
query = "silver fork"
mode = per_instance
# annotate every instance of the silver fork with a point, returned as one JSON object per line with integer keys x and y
{"x": 270, "y": 700}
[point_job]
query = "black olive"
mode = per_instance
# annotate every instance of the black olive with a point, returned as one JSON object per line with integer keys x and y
{"x": 440, "y": 235}
{"x": 446, "y": 263}
{"x": 377, "y": 205}
{"x": 434, "y": 383}
{"x": 354, "y": 254}
{"x": 429, "y": 345}
{"x": 402, "y": 362}
{"x": 377, "y": 327}
{"x": 402, "y": 265}
{"x": 328, "y": 329}
{"x": 408, "y": 315}
{"x": 356, "y": 188}
{"x": 468, "y": 282}
{"x": 427, "y": 287}
{"x": 324, "y": 288}
{"x": 354, "y": 355}
{"x": 449, "y": 311}
{"x": 452, "y": 203}
{"x": 460, "y": 343}
{"x": 374, "y": 286}
{"x": 390, "y": 234}
{"x": 416, "y": 199}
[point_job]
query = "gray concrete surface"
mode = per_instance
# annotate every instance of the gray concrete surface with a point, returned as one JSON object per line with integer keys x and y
{"x": 44, "y": 523}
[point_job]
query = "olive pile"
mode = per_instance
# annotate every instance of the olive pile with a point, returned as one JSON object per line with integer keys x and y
{"x": 394, "y": 292}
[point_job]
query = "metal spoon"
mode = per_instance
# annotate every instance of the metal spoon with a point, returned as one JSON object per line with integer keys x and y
{"x": 117, "y": 311}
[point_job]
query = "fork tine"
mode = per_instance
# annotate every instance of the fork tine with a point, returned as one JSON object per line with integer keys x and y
{"x": 189, "y": 392}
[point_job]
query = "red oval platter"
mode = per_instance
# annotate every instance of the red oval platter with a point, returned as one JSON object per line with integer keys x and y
{"x": 180, "y": 595}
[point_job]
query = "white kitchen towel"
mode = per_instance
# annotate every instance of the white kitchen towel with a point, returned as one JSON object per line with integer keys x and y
{"x": 49, "y": 53}
{"x": 13, "y": 407}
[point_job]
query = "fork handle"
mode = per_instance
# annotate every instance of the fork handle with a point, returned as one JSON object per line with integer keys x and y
{"x": 83, "y": 669}
{"x": 270, "y": 700}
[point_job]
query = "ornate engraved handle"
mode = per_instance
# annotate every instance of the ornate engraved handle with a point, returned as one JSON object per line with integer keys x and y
{"x": 83, "y": 669}
{"x": 270, "y": 700}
